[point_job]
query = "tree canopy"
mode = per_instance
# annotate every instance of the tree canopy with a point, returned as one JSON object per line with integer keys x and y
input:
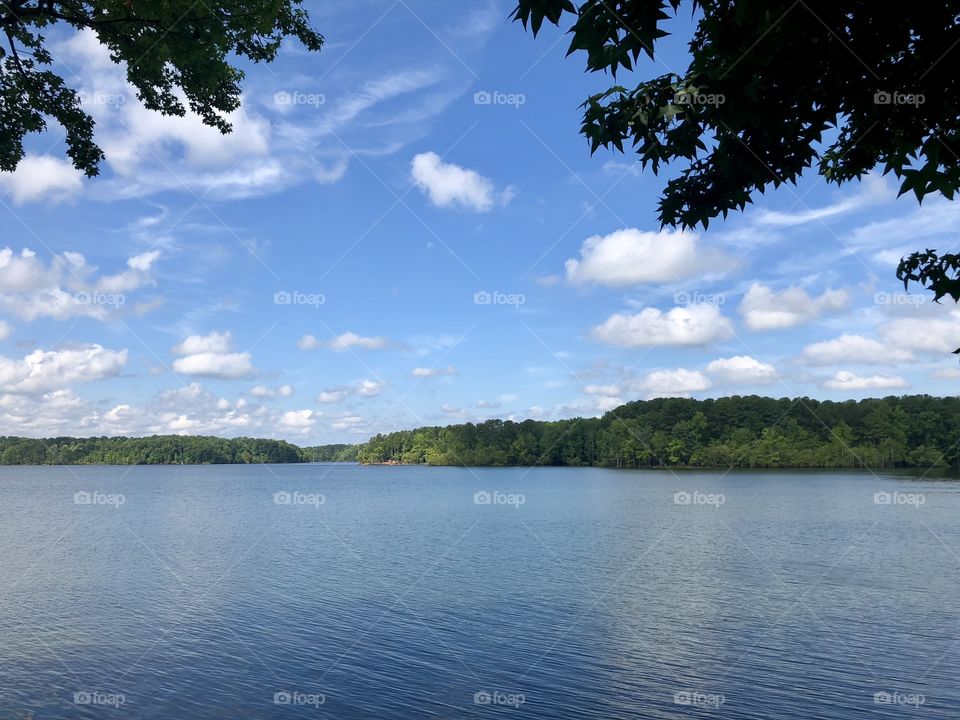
{"x": 177, "y": 54}
{"x": 746, "y": 432}
{"x": 772, "y": 89}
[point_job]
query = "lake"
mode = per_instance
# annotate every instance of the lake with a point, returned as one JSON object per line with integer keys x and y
{"x": 341, "y": 591}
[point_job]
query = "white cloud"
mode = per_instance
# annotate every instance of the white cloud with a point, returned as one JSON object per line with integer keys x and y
{"x": 41, "y": 177}
{"x": 432, "y": 372}
{"x": 66, "y": 287}
{"x": 672, "y": 383}
{"x": 370, "y": 388}
{"x": 43, "y": 371}
{"x": 853, "y": 349}
{"x": 950, "y": 373}
{"x": 308, "y": 342}
{"x": 5, "y": 330}
{"x": 211, "y": 356}
{"x": 263, "y": 392}
{"x": 228, "y": 366}
{"x": 937, "y": 335}
{"x": 215, "y": 342}
{"x": 631, "y": 256}
{"x": 449, "y": 185}
{"x": 605, "y": 403}
{"x": 742, "y": 369}
{"x": 349, "y": 340}
{"x": 344, "y": 342}
{"x": 844, "y": 380}
{"x": 691, "y": 325}
{"x": 764, "y": 309}
{"x": 364, "y": 388}
{"x": 135, "y": 276}
{"x": 332, "y": 396}
{"x": 298, "y": 420}
{"x": 349, "y": 423}
{"x": 601, "y": 389}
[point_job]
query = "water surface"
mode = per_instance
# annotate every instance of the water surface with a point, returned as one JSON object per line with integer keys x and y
{"x": 391, "y": 592}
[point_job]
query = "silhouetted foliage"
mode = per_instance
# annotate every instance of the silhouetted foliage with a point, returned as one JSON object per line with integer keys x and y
{"x": 177, "y": 54}
{"x": 774, "y": 87}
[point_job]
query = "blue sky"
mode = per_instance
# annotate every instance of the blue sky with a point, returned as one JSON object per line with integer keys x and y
{"x": 407, "y": 229}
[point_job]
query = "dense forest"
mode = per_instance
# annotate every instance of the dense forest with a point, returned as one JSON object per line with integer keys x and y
{"x": 156, "y": 450}
{"x": 331, "y": 453}
{"x": 749, "y": 432}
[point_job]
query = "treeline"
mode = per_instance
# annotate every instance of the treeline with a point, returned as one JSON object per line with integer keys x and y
{"x": 748, "y": 432}
{"x": 331, "y": 453}
{"x": 155, "y": 450}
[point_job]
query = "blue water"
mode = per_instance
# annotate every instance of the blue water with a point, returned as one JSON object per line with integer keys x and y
{"x": 189, "y": 592}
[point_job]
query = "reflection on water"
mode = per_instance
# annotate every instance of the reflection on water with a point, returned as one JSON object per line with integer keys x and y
{"x": 399, "y": 592}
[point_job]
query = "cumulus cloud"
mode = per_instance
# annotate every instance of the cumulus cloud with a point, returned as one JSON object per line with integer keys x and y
{"x": 264, "y": 392}
{"x": 298, "y": 420}
{"x": 215, "y": 342}
{"x": 853, "y": 349}
{"x": 742, "y": 370}
{"x": 682, "y": 326}
{"x": 844, "y": 380}
{"x": 228, "y": 366}
{"x": 46, "y": 370}
{"x": 364, "y": 388}
{"x": 449, "y": 185}
{"x": 765, "y": 309}
{"x": 370, "y": 388}
{"x": 332, "y": 396}
{"x": 66, "y": 286}
{"x": 432, "y": 372}
{"x": 212, "y": 356}
{"x": 42, "y": 177}
{"x": 631, "y": 256}
{"x": 934, "y": 334}
{"x": 308, "y": 342}
{"x": 672, "y": 383}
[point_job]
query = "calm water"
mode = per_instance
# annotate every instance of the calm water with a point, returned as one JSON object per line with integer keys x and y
{"x": 197, "y": 592}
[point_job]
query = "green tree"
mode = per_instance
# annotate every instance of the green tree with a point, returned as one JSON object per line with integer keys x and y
{"x": 171, "y": 48}
{"x": 773, "y": 88}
